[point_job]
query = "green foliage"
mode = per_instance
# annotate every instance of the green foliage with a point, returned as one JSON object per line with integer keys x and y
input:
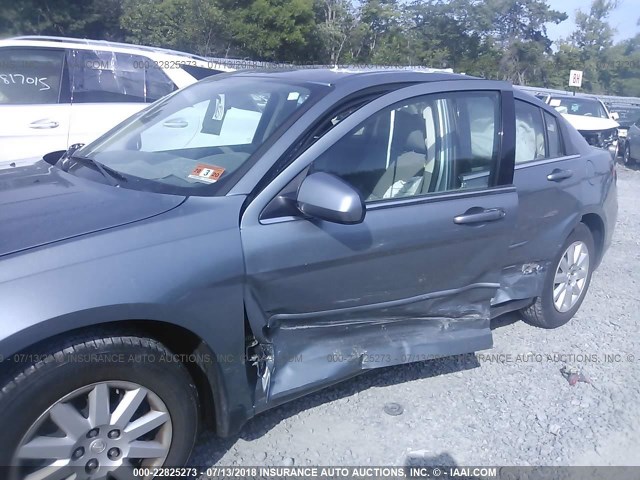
{"x": 272, "y": 29}
{"x": 593, "y": 40}
{"x": 502, "y": 39}
{"x": 192, "y": 25}
{"x": 75, "y": 18}
{"x": 337, "y": 30}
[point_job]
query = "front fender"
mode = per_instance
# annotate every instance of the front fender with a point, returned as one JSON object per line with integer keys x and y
{"x": 183, "y": 268}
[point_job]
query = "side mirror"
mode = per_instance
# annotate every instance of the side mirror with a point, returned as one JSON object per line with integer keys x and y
{"x": 327, "y": 197}
{"x": 52, "y": 157}
{"x": 615, "y": 116}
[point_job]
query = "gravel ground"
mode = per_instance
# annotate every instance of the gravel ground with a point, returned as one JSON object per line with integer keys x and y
{"x": 480, "y": 409}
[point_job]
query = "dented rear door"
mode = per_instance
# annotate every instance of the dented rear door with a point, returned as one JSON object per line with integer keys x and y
{"x": 415, "y": 279}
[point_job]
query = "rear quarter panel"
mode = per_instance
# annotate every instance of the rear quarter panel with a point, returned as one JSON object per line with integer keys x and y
{"x": 548, "y": 211}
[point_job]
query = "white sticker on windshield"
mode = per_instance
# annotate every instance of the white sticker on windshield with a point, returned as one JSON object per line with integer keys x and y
{"x": 293, "y": 96}
{"x": 218, "y": 113}
{"x": 555, "y": 102}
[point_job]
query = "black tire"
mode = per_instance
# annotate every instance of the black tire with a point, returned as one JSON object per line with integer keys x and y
{"x": 33, "y": 382}
{"x": 543, "y": 313}
{"x": 627, "y": 158}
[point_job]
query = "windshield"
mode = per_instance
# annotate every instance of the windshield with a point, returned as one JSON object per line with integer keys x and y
{"x": 627, "y": 115}
{"x": 190, "y": 142}
{"x": 579, "y": 106}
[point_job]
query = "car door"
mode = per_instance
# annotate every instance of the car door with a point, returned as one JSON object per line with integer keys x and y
{"x": 108, "y": 87}
{"x": 415, "y": 278}
{"x": 34, "y": 104}
{"x": 549, "y": 182}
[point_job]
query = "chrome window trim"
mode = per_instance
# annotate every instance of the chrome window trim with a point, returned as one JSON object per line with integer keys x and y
{"x": 544, "y": 161}
{"x": 409, "y": 201}
{"x": 438, "y": 197}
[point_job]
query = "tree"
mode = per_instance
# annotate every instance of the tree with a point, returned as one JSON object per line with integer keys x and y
{"x": 336, "y": 22}
{"x": 275, "y": 30}
{"x": 74, "y": 18}
{"x": 518, "y": 28}
{"x": 190, "y": 25}
{"x": 623, "y": 74}
{"x": 448, "y": 35}
{"x": 593, "y": 39}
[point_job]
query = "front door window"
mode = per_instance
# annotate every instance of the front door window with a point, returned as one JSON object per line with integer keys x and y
{"x": 429, "y": 144}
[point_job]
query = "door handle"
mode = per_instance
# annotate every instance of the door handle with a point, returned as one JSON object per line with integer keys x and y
{"x": 479, "y": 215}
{"x": 558, "y": 175}
{"x": 44, "y": 123}
{"x": 176, "y": 123}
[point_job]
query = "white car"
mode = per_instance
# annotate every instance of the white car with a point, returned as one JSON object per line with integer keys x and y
{"x": 590, "y": 117}
{"x": 56, "y": 92}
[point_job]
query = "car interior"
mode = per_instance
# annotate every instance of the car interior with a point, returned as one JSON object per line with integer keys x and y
{"x": 418, "y": 148}
{"x": 225, "y": 134}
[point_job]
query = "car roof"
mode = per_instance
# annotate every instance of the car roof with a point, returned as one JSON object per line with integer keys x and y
{"x": 39, "y": 41}
{"x": 370, "y": 76}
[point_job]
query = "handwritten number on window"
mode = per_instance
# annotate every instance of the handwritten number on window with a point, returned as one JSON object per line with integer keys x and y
{"x": 20, "y": 79}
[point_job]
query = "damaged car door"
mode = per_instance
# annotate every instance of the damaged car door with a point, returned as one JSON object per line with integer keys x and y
{"x": 329, "y": 295}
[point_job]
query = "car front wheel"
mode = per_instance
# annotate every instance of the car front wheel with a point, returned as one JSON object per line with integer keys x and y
{"x": 94, "y": 408}
{"x": 566, "y": 283}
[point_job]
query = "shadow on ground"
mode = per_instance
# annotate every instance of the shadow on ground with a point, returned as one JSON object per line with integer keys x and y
{"x": 632, "y": 166}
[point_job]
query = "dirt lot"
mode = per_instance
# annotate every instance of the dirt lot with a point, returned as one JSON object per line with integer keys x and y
{"x": 507, "y": 406}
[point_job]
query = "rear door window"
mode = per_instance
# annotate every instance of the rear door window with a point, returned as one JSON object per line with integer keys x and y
{"x": 553, "y": 135}
{"x": 102, "y": 76}
{"x": 30, "y": 75}
{"x": 530, "y": 133}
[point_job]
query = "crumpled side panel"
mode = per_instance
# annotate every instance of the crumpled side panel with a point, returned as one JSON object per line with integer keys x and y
{"x": 311, "y": 353}
{"x": 521, "y": 281}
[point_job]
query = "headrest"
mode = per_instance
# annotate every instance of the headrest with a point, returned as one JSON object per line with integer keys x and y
{"x": 416, "y": 142}
{"x": 409, "y": 132}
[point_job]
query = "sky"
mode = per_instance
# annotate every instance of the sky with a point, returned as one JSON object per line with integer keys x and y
{"x": 624, "y": 18}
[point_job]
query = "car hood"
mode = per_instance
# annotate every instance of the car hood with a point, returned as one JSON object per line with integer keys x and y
{"x": 40, "y": 204}
{"x": 584, "y": 123}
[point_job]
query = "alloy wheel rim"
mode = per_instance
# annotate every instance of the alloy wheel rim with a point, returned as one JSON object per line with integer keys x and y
{"x": 99, "y": 432}
{"x": 571, "y": 277}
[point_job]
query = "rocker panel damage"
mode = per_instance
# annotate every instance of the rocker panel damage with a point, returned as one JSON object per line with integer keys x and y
{"x": 310, "y": 351}
{"x": 521, "y": 281}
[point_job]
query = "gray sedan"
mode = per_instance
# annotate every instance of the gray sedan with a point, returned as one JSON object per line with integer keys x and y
{"x": 258, "y": 236}
{"x": 631, "y": 153}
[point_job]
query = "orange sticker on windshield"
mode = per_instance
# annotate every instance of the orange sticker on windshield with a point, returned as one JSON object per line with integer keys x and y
{"x": 206, "y": 173}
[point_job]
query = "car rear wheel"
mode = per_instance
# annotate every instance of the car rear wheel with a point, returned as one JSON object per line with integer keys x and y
{"x": 628, "y": 159}
{"x": 95, "y": 408}
{"x": 566, "y": 283}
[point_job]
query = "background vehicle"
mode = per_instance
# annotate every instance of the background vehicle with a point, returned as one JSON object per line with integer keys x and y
{"x": 628, "y": 114}
{"x": 317, "y": 223}
{"x": 55, "y": 92}
{"x": 591, "y": 118}
{"x": 631, "y": 153}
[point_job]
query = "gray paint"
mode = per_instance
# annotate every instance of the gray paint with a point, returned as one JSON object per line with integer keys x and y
{"x": 405, "y": 283}
{"x": 330, "y": 198}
